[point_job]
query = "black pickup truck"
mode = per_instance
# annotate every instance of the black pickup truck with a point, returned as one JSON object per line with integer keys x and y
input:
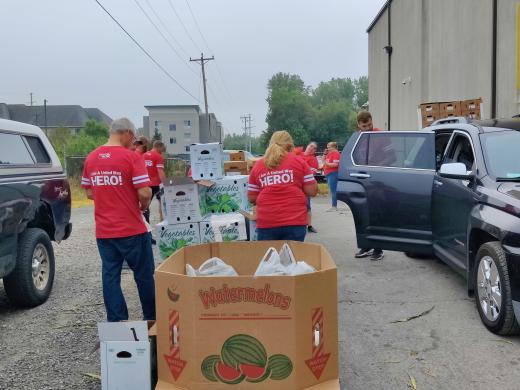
{"x": 451, "y": 190}
{"x": 35, "y": 205}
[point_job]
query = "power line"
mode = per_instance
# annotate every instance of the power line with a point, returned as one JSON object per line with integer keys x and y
{"x": 146, "y": 52}
{"x": 162, "y": 35}
{"x": 184, "y": 26}
{"x": 207, "y": 46}
{"x": 165, "y": 27}
{"x": 197, "y": 25}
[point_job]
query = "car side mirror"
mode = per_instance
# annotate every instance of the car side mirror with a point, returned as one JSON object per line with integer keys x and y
{"x": 455, "y": 171}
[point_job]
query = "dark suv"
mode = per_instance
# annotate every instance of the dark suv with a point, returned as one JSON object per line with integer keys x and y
{"x": 451, "y": 190}
{"x": 34, "y": 210}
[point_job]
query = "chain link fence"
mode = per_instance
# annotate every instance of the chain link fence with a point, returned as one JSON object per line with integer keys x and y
{"x": 173, "y": 166}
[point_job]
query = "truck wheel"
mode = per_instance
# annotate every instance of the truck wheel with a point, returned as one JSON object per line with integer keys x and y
{"x": 493, "y": 290}
{"x": 30, "y": 283}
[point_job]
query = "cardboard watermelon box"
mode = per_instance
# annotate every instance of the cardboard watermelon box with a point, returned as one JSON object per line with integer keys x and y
{"x": 246, "y": 332}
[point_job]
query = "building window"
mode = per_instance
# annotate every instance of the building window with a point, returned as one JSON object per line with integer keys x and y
{"x": 173, "y": 127}
{"x": 187, "y": 135}
{"x": 187, "y": 124}
{"x": 173, "y": 140}
{"x": 156, "y": 123}
{"x": 187, "y": 148}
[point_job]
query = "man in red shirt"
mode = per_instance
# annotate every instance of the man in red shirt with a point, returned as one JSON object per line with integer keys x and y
{"x": 310, "y": 158}
{"x": 116, "y": 179}
{"x": 279, "y": 184}
{"x": 365, "y": 123}
{"x": 154, "y": 162}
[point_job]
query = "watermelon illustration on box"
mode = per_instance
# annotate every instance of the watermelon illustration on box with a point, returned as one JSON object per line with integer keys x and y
{"x": 227, "y": 195}
{"x": 247, "y": 332}
{"x": 175, "y": 237}
{"x": 244, "y": 358}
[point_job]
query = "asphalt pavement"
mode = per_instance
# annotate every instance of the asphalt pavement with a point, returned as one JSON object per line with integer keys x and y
{"x": 51, "y": 346}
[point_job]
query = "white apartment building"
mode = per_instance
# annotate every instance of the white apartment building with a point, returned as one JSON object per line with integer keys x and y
{"x": 180, "y": 126}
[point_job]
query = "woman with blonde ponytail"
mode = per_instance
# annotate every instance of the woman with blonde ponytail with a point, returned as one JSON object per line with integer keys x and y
{"x": 279, "y": 185}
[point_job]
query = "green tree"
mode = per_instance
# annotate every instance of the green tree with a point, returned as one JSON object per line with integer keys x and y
{"x": 290, "y": 108}
{"x": 156, "y": 136}
{"x": 325, "y": 113}
{"x": 241, "y": 142}
{"x": 59, "y": 138}
{"x": 95, "y": 129}
{"x": 361, "y": 91}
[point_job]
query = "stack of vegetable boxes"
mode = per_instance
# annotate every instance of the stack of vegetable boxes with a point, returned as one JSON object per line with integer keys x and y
{"x": 203, "y": 209}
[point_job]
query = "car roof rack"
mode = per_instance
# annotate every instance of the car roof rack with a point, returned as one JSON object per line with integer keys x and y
{"x": 451, "y": 120}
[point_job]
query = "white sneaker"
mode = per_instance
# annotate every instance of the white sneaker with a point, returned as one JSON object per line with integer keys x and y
{"x": 332, "y": 209}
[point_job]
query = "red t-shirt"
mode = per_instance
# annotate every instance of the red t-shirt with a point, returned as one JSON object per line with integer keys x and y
{"x": 281, "y": 200}
{"x": 312, "y": 162}
{"x": 332, "y": 157}
{"x": 115, "y": 173}
{"x": 154, "y": 161}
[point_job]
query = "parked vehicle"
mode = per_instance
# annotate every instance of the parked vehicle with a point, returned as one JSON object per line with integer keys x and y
{"x": 452, "y": 190}
{"x": 34, "y": 210}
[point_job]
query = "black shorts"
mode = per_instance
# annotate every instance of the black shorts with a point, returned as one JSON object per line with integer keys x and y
{"x": 156, "y": 192}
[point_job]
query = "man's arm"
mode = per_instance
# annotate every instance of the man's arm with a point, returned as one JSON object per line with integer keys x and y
{"x": 144, "y": 194}
{"x": 161, "y": 174}
{"x": 88, "y": 192}
{"x": 311, "y": 189}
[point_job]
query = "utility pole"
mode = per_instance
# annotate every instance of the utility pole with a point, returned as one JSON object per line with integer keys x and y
{"x": 247, "y": 131}
{"x": 203, "y": 61}
{"x": 45, "y": 115}
{"x": 31, "y": 98}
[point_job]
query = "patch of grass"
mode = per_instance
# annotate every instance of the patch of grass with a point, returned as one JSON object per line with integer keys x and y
{"x": 323, "y": 189}
{"x": 79, "y": 198}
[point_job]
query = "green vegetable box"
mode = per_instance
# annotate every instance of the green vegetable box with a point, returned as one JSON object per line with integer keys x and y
{"x": 175, "y": 237}
{"x": 222, "y": 228}
{"x": 227, "y": 195}
{"x": 247, "y": 332}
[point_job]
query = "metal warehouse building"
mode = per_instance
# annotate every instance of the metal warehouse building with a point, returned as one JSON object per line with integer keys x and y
{"x": 443, "y": 50}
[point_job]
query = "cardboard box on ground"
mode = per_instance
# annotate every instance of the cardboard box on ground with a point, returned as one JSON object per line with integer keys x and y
{"x": 267, "y": 332}
{"x": 125, "y": 355}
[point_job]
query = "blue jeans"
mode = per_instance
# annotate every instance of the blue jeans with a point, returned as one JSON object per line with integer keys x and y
{"x": 332, "y": 181}
{"x": 285, "y": 233}
{"x": 137, "y": 251}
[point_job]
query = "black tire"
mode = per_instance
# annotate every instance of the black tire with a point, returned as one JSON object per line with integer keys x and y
{"x": 19, "y": 284}
{"x": 505, "y": 323}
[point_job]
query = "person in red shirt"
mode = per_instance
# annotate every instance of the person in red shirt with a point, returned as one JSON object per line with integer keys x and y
{"x": 154, "y": 162}
{"x": 365, "y": 123}
{"x": 116, "y": 179}
{"x": 309, "y": 157}
{"x": 330, "y": 170}
{"x": 140, "y": 145}
{"x": 279, "y": 184}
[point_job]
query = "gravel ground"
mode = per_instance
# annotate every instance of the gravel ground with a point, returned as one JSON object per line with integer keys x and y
{"x": 50, "y": 347}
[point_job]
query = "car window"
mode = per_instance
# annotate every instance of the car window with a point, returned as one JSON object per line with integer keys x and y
{"x": 460, "y": 151}
{"x": 501, "y": 153}
{"x": 13, "y": 150}
{"x": 441, "y": 143}
{"x": 395, "y": 150}
{"x": 39, "y": 152}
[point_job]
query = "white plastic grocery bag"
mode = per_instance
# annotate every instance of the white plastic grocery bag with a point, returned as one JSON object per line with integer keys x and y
{"x": 271, "y": 264}
{"x": 212, "y": 267}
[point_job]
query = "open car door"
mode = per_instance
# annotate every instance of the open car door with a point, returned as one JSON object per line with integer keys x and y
{"x": 386, "y": 179}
